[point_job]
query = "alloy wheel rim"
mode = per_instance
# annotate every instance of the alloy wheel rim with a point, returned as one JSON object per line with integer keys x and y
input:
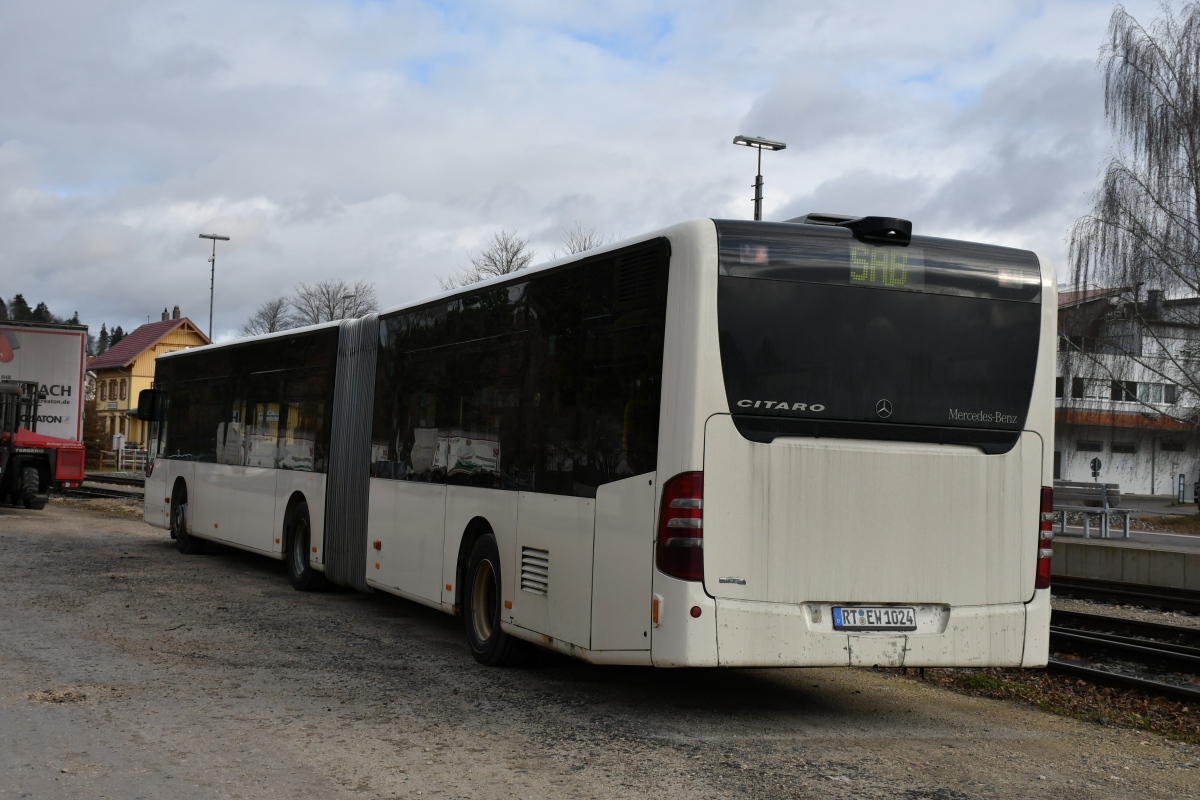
{"x": 482, "y": 600}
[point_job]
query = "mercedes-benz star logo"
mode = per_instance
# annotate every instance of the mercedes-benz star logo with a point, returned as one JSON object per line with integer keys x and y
{"x": 884, "y": 408}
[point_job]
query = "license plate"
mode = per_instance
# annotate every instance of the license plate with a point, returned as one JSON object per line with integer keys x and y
{"x": 874, "y": 618}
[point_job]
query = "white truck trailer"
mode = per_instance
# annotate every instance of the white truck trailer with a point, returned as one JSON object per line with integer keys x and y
{"x": 54, "y": 356}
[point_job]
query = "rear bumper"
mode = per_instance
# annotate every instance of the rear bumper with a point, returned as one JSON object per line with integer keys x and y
{"x": 756, "y": 634}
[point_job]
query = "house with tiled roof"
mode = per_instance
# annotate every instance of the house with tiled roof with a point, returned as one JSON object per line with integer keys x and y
{"x": 127, "y": 367}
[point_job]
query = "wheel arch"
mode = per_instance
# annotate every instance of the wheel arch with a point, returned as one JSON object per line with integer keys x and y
{"x": 296, "y": 498}
{"x": 293, "y": 502}
{"x": 179, "y": 491}
{"x": 477, "y": 528}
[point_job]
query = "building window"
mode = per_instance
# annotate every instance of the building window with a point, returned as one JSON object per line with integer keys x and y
{"x": 1157, "y": 392}
{"x": 1089, "y": 447}
{"x": 103, "y": 390}
{"x": 122, "y": 426}
{"x": 1173, "y": 446}
{"x": 1058, "y": 388}
{"x": 1124, "y": 390}
{"x": 1124, "y": 447}
{"x": 1076, "y": 388}
{"x": 122, "y": 388}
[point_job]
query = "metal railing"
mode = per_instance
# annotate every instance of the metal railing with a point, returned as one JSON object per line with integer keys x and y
{"x": 1103, "y": 513}
{"x": 123, "y": 460}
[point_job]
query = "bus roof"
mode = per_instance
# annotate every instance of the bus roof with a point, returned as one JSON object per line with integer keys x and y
{"x": 262, "y": 337}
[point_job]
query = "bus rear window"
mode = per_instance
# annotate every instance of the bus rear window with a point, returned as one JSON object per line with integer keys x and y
{"x": 831, "y": 255}
{"x": 949, "y": 362}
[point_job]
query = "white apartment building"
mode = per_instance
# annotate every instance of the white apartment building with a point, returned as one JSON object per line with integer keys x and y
{"x": 1123, "y": 393}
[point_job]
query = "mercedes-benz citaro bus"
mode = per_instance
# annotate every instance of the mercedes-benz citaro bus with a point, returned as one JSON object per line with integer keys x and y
{"x": 809, "y": 443}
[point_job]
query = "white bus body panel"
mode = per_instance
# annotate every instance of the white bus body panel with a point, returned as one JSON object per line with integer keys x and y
{"x": 233, "y": 505}
{"x": 408, "y": 521}
{"x": 623, "y": 564}
{"x": 802, "y": 520}
{"x": 156, "y": 509}
{"x": 564, "y": 527}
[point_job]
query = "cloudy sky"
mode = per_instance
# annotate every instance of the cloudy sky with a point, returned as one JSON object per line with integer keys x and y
{"x": 387, "y": 140}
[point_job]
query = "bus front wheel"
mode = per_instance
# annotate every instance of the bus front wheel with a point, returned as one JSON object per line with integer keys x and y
{"x": 481, "y": 614}
{"x": 184, "y": 542}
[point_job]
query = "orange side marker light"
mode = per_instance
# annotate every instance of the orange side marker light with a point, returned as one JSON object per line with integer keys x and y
{"x": 376, "y": 565}
{"x": 449, "y": 588}
{"x": 378, "y": 545}
{"x": 508, "y": 603}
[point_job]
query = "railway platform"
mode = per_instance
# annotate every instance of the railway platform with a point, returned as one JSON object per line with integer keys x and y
{"x": 1164, "y": 563}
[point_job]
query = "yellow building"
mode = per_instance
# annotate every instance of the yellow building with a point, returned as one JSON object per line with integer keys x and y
{"x": 128, "y": 367}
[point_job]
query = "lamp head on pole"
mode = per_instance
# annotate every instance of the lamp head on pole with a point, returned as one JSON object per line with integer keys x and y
{"x": 759, "y": 142}
{"x": 214, "y": 236}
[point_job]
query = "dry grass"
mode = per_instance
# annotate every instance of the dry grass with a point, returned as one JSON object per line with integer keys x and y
{"x": 1073, "y": 697}
{"x": 114, "y": 507}
{"x": 1189, "y": 523}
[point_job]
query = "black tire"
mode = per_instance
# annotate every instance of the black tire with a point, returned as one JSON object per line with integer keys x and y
{"x": 299, "y": 537}
{"x": 31, "y": 481}
{"x": 481, "y": 608}
{"x": 184, "y": 542}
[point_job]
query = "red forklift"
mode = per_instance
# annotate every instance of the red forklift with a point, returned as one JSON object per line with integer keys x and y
{"x": 32, "y": 465}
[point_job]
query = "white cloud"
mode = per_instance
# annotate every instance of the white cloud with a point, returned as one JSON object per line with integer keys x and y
{"x": 386, "y": 140}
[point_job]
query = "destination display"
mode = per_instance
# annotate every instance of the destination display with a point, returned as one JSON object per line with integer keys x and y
{"x": 887, "y": 265}
{"x": 831, "y": 255}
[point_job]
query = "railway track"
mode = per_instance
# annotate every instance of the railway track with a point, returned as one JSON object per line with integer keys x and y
{"x": 1155, "y": 657}
{"x": 117, "y": 480}
{"x": 1159, "y": 597}
{"x": 95, "y": 492}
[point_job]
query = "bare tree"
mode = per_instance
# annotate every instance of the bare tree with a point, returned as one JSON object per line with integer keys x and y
{"x": 504, "y": 253}
{"x": 271, "y": 316}
{"x": 332, "y": 299}
{"x": 1144, "y": 227}
{"x": 578, "y": 239}
{"x": 1145, "y": 224}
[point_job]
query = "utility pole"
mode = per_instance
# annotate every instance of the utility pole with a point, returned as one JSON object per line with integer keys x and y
{"x": 212, "y": 275}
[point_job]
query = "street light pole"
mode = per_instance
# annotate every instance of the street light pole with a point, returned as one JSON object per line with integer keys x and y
{"x": 759, "y": 144}
{"x": 212, "y": 275}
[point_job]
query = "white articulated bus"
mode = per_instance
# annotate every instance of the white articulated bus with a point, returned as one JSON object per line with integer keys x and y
{"x": 811, "y": 443}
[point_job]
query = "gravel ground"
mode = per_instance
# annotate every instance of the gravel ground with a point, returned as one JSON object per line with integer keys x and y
{"x": 128, "y": 670}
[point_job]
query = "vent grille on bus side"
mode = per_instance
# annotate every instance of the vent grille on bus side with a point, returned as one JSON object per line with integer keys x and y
{"x": 636, "y": 276}
{"x": 535, "y": 570}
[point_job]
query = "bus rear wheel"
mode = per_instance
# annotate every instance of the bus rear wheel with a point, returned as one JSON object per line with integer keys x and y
{"x": 184, "y": 542}
{"x": 299, "y": 538}
{"x": 481, "y": 615}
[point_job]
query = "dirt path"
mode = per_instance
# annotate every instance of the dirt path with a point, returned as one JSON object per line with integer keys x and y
{"x": 128, "y": 670}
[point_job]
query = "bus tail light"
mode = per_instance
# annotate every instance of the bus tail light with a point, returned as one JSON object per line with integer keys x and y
{"x": 680, "y": 548}
{"x": 1045, "y": 537}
